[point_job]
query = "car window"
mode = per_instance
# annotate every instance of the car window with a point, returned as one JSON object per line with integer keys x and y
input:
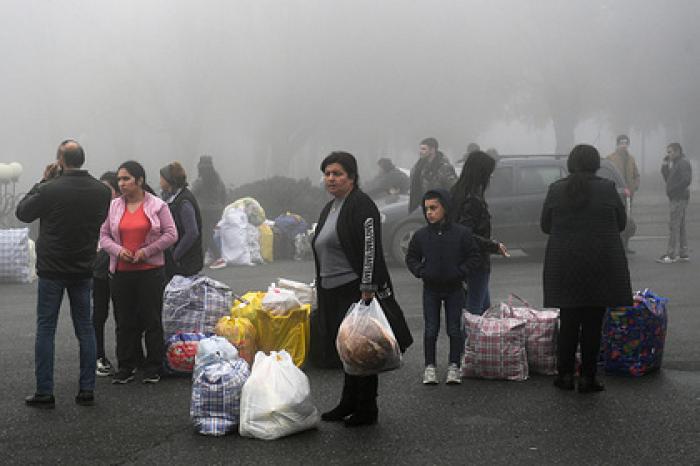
{"x": 501, "y": 183}
{"x": 535, "y": 180}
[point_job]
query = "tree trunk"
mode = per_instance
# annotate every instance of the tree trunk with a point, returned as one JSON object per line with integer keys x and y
{"x": 564, "y": 126}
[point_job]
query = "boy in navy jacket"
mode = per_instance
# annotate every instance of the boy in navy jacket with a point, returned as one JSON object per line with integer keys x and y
{"x": 442, "y": 254}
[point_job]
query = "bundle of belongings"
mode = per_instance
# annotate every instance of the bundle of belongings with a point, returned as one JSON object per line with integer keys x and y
{"x": 276, "y": 399}
{"x": 217, "y": 384}
{"x": 269, "y": 321}
{"x": 365, "y": 342}
{"x": 287, "y": 228}
{"x": 634, "y": 336}
{"x": 17, "y": 256}
{"x": 192, "y": 306}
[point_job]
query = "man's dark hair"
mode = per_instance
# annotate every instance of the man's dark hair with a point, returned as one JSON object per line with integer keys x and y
{"x": 430, "y": 142}
{"x": 72, "y": 153}
{"x": 386, "y": 164}
{"x": 676, "y": 146}
{"x": 347, "y": 161}
{"x": 622, "y": 137}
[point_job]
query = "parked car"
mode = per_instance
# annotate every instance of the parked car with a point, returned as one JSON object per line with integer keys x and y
{"x": 515, "y": 196}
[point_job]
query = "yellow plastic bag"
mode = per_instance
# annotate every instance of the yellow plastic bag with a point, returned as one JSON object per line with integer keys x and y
{"x": 266, "y": 242}
{"x": 241, "y": 333}
{"x": 250, "y": 308}
{"x": 289, "y": 332}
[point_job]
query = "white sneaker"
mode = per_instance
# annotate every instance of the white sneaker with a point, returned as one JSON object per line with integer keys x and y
{"x": 666, "y": 259}
{"x": 453, "y": 374}
{"x": 430, "y": 376}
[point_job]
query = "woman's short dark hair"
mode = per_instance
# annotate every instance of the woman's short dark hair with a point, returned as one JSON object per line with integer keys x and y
{"x": 583, "y": 162}
{"x": 474, "y": 179}
{"x": 345, "y": 160}
{"x": 136, "y": 170}
{"x": 110, "y": 178}
{"x": 174, "y": 173}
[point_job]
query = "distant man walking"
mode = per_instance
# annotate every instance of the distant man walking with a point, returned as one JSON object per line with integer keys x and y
{"x": 677, "y": 173}
{"x": 627, "y": 166}
{"x": 431, "y": 171}
{"x": 71, "y": 206}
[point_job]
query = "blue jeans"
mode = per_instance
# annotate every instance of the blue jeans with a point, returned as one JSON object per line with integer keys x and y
{"x": 478, "y": 297}
{"x": 432, "y": 304}
{"x": 50, "y": 295}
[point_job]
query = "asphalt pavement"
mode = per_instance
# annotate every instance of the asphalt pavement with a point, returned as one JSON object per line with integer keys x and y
{"x": 649, "y": 420}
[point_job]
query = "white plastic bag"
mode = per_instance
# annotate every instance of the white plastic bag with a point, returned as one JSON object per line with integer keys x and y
{"x": 276, "y": 399}
{"x": 278, "y": 301}
{"x": 366, "y": 344}
{"x": 212, "y": 348}
{"x": 233, "y": 228}
{"x": 305, "y": 292}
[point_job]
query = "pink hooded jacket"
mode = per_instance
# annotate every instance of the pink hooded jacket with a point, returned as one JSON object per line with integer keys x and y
{"x": 162, "y": 235}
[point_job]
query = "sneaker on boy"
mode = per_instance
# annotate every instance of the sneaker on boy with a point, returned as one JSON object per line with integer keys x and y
{"x": 453, "y": 375}
{"x": 104, "y": 368}
{"x": 430, "y": 376}
{"x": 442, "y": 254}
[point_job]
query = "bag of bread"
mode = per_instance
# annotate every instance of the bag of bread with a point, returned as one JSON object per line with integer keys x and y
{"x": 366, "y": 344}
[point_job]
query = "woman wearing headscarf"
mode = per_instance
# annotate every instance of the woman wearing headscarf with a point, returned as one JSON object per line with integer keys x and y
{"x": 185, "y": 257}
{"x": 585, "y": 266}
{"x": 138, "y": 229}
{"x": 350, "y": 266}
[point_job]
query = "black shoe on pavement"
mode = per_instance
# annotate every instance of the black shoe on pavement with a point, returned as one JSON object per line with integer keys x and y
{"x": 590, "y": 385}
{"x": 151, "y": 377}
{"x": 338, "y": 413}
{"x": 85, "y": 398}
{"x": 362, "y": 418}
{"x": 40, "y": 401}
{"x": 564, "y": 382}
{"x": 123, "y": 376}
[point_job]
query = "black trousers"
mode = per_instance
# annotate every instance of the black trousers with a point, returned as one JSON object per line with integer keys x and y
{"x": 138, "y": 303}
{"x": 580, "y": 325}
{"x": 100, "y": 311}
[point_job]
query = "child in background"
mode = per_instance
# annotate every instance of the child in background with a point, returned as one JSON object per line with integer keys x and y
{"x": 442, "y": 254}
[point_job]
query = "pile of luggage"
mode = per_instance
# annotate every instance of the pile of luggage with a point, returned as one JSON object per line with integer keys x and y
{"x": 515, "y": 339}
{"x": 244, "y": 355}
{"x": 248, "y": 238}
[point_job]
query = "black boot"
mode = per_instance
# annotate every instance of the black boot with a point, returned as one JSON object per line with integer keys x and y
{"x": 366, "y": 410}
{"x": 347, "y": 402}
{"x": 564, "y": 381}
{"x": 590, "y": 385}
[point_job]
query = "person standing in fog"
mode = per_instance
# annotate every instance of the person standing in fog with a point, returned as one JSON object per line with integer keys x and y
{"x": 472, "y": 211}
{"x": 431, "y": 171}
{"x": 138, "y": 229}
{"x": 585, "y": 266}
{"x": 390, "y": 180}
{"x": 678, "y": 175}
{"x": 101, "y": 295}
{"x": 349, "y": 267}
{"x": 210, "y": 193}
{"x": 627, "y": 166}
{"x": 70, "y": 205}
{"x": 186, "y": 257}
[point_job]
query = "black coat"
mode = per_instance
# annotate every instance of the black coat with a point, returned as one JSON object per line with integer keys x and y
{"x": 192, "y": 260}
{"x": 70, "y": 209}
{"x": 585, "y": 262}
{"x": 359, "y": 233}
{"x": 474, "y": 214}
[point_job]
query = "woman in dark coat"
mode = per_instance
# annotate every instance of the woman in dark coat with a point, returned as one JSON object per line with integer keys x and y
{"x": 585, "y": 266}
{"x": 350, "y": 266}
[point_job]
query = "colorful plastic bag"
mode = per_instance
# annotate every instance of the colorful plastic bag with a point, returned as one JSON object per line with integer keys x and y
{"x": 248, "y": 306}
{"x": 276, "y": 399}
{"x": 541, "y": 333}
{"x": 289, "y": 332}
{"x": 214, "y": 348}
{"x": 217, "y": 385}
{"x": 181, "y": 350}
{"x": 266, "y": 242}
{"x": 495, "y": 348}
{"x": 634, "y": 336}
{"x": 241, "y": 333}
{"x": 366, "y": 343}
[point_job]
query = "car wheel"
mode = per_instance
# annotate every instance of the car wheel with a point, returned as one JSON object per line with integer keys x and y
{"x": 399, "y": 244}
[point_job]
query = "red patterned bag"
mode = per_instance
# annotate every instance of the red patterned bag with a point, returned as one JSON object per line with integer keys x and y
{"x": 494, "y": 348}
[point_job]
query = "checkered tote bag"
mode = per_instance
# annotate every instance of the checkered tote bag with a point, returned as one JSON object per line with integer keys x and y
{"x": 216, "y": 396}
{"x": 494, "y": 348}
{"x": 15, "y": 258}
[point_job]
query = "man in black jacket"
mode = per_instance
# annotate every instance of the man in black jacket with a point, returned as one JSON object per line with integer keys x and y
{"x": 432, "y": 171}
{"x": 442, "y": 254}
{"x": 677, "y": 173}
{"x": 71, "y": 206}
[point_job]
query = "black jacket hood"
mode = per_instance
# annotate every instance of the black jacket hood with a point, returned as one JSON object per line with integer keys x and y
{"x": 443, "y": 197}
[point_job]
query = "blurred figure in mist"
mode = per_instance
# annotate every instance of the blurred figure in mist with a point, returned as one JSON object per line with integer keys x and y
{"x": 627, "y": 166}
{"x": 432, "y": 171}
{"x": 471, "y": 148}
{"x": 210, "y": 193}
{"x": 390, "y": 181}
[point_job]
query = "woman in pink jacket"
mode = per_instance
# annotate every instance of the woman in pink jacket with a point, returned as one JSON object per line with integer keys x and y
{"x": 137, "y": 230}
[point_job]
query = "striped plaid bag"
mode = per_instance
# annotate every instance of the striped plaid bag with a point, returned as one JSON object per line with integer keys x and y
{"x": 216, "y": 395}
{"x": 541, "y": 333}
{"x": 494, "y": 348}
{"x": 15, "y": 257}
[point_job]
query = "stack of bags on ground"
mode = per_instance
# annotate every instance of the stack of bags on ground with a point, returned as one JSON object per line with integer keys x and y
{"x": 248, "y": 238}
{"x": 511, "y": 341}
{"x": 17, "y": 256}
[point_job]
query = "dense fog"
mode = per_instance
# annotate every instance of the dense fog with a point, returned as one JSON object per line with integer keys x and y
{"x": 269, "y": 87}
